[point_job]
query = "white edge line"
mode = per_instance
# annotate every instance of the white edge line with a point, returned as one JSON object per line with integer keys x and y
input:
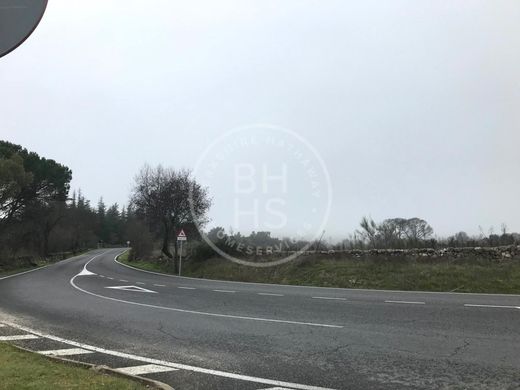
{"x": 492, "y": 306}
{"x": 17, "y": 337}
{"x": 407, "y": 302}
{"x": 315, "y": 287}
{"x": 65, "y": 352}
{"x": 71, "y": 281}
{"x": 170, "y": 364}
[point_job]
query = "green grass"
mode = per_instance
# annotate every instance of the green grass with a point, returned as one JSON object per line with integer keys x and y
{"x": 26, "y": 370}
{"x": 482, "y": 276}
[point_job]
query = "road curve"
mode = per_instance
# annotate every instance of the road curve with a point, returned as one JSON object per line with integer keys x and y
{"x": 227, "y": 335}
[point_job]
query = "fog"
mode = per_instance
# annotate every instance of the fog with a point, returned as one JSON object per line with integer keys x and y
{"x": 412, "y": 106}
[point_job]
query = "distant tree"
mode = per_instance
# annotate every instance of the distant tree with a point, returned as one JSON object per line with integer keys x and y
{"x": 395, "y": 232}
{"x": 50, "y": 181}
{"x": 417, "y": 230}
{"x": 13, "y": 179}
{"x": 161, "y": 197}
{"x": 368, "y": 230}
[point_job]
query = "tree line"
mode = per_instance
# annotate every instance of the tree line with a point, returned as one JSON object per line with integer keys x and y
{"x": 39, "y": 216}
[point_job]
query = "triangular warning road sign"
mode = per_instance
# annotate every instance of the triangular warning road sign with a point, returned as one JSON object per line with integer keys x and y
{"x": 132, "y": 288}
{"x": 181, "y": 233}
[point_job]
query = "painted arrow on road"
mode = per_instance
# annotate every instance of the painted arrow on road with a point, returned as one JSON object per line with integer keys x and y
{"x": 132, "y": 288}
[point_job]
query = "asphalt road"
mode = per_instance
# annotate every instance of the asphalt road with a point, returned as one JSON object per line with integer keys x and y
{"x": 226, "y": 335}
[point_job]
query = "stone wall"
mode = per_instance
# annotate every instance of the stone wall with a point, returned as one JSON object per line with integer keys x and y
{"x": 481, "y": 253}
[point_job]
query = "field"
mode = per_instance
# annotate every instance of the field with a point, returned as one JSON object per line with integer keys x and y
{"x": 484, "y": 276}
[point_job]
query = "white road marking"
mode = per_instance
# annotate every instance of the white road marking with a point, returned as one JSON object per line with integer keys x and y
{"x": 271, "y": 294}
{"x": 2, "y": 325}
{"x": 492, "y": 306}
{"x": 123, "y": 280}
{"x": 187, "y": 288}
{"x": 18, "y": 337}
{"x": 132, "y": 288}
{"x": 270, "y": 382}
{"x": 160, "y": 285}
{"x": 86, "y": 272}
{"x": 101, "y": 276}
{"x": 108, "y": 277}
{"x": 145, "y": 369}
{"x": 65, "y": 352}
{"x": 71, "y": 281}
{"x": 139, "y": 283}
{"x": 407, "y": 302}
{"x": 331, "y": 298}
{"x": 277, "y": 388}
{"x": 225, "y": 291}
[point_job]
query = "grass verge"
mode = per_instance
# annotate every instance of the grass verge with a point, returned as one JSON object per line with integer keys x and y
{"x": 36, "y": 263}
{"x": 26, "y": 370}
{"x": 476, "y": 276}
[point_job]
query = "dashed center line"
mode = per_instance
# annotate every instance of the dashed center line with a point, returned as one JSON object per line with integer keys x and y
{"x": 407, "y": 302}
{"x": 108, "y": 277}
{"x": 187, "y": 288}
{"x": 122, "y": 280}
{"x": 331, "y": 298}
{"x": 271, "y": 294}
{"x": 139, "y": 283}
{"x": 492, "y": 306}
{"x": 225, "y": 291}
{"x": 101, "y": 276}
{"x": 160, "y": 285}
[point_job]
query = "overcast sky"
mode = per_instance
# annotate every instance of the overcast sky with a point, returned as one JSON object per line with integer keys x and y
{"x": 414, "y": 106}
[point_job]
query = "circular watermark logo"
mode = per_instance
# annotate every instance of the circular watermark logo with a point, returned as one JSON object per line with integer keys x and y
{"x": 271, "y": 195}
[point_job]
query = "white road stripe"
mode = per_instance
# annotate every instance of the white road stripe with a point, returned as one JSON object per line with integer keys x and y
{"x": 271, "y": 294}
{"x": 123, "y": 280}
{"x": 145, "y": 369}
{"x": 331, "y": 298}
{"x": 407, "y": 302}
{"x": 225, "y": 291}
{"x": 18, "y": 337}
{"x": 160, "y": 285}
{"x": 277, "y": 388}
{"x": 139, "y": 283}
{"x": 65, "y": 352}
{"x": 101, "y": 276}
{"x": 187, "y": 288}
{"x": 492, "y": 306}
{"x": 108, "y": 277}
{"x": 269, "y": 382}
{"x": 2, "y": 325}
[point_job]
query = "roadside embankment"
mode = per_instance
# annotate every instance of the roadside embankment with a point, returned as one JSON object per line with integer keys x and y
{"x": 477, "y": 270}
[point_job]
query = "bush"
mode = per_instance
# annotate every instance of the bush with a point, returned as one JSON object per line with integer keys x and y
{"x": 141, "y": 240}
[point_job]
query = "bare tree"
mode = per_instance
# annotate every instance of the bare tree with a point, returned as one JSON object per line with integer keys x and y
{"x": 161, "y": 196}
{"x": 418, "y": 229}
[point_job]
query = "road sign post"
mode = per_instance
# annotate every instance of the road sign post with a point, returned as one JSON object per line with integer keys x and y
{"x": 181, "y": 237}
